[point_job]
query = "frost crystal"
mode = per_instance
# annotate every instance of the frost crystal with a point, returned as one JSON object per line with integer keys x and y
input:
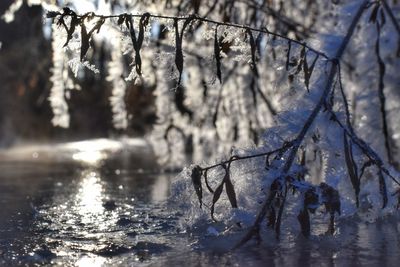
{"x": 60, "y": 80}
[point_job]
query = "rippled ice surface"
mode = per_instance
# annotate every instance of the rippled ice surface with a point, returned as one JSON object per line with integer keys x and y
{"x": 103, "y": 203}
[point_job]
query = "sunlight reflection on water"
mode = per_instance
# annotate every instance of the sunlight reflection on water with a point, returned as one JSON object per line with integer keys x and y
{"x": 89, "y": 198}
{"x": 111, "y": 211}
{"x": 90, "y": 262}
{"x": 92, "y": 152}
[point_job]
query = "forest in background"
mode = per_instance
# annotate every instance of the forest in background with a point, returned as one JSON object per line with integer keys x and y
{"x": 25, "y": 112}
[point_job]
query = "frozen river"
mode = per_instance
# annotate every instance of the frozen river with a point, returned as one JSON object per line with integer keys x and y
{"x": 103, "y": 203}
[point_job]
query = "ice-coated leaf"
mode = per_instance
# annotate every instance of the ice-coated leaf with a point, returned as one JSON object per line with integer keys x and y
{"x": 271, "y": 218}
{"x": 121, "y": 19}
{"x": 301, "y": 175}
{"x": 311, "y": 200}
{"x": 330, "y": 198}
{"x": 230, "y": 190}
{"x": 137, "y": 41}
{"x": 374, "y": 13}
{"x": 178, "y": 51}
{"x": 217, "y": 54}
{"x": 207, "y": 184}
{"x": 280, "y": 211}
{"x": 397, "y": 193}
{"x": 382, "y": 189}
{"x": 128, "y": 22}
{"x": 85, "y": 35}
{"x": 217, "y": 195}
{"x": 310, "y": 203}
{"x": 304, "y": 220}
{"x": 74, "y": 22}
{"x": 178, "y": 45}
{"x": 351, "y": 166}
{"x": 84, "y": 40}
{"x": 302, "y": 58}
{"x": 144, "y": 20}
{"x": 253, "y": 47}
{"x": 398, "y": 48}
{"x": 331, "y": 227}
{"x": 96, "y": 27}
{"x": 275, "y": 189}
{"x": 196, "y": 181}
{"x": 129, "y": 25}
{"x": 252, "y": 86}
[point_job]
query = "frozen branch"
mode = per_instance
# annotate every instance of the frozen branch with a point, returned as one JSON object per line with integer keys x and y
{"x": 300, "y": 137}
{"x": 68, "y": 12}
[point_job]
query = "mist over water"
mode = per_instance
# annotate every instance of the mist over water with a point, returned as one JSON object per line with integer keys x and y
{"x": 104, "y": 202}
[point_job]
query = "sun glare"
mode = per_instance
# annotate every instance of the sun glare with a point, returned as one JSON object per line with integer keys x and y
{"x": 90, "y": 198}
{"x": 92, "y": 152}
{"x": 90, "y": 157}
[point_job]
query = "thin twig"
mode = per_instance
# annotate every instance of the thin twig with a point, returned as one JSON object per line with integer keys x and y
{"x": 285, "y": 146}
{"x": 201, "y": 19}
{"x": 344, "y": 99}
{"x": 381, "y": 93}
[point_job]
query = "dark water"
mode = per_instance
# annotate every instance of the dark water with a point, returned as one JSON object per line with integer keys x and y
{"x": 103, "y": 203}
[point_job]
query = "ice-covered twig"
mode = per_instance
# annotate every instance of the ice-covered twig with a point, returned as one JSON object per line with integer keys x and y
{"x": 254, "y": 229}
{"x": 68, "y": 12}
{"x": 284, "y": 147}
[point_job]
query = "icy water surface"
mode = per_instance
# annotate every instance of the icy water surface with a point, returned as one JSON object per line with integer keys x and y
{"x": 103, "y": 203}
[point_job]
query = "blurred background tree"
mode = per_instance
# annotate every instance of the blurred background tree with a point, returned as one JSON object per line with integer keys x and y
{"x": 25, "y": 63}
